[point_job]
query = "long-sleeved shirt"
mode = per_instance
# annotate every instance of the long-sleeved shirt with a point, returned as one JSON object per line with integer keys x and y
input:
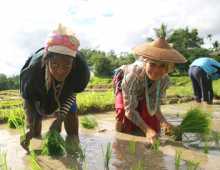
{"x": 33, "y": 89}
{"x": 133, "y": 90}
{"x": 209, "y": 65}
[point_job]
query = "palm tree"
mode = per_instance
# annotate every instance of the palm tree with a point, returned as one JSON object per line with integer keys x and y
{"x": 162, "y": 32}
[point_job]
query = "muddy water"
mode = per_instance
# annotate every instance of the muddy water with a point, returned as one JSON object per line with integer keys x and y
{"x": 123, "y": 158}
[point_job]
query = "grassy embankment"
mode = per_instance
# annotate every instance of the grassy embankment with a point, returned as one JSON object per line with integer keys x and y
{"x": 92, "y": 101}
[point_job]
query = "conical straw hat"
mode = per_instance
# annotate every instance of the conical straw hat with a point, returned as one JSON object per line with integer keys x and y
{"x": 159, "y": 50}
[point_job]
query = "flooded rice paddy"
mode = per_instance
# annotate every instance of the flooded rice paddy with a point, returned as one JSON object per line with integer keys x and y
{"x": 128, "y": 152}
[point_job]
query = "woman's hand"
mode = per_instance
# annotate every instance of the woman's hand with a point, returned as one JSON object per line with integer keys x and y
{"x": 167, "y": 127}
{"x": 151, "y": 135}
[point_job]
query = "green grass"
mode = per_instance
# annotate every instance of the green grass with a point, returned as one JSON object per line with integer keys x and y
{"x": 53, "y": 144}
{"x": 182, "y": 86}
{"x": 216, "y": 86}
{"x": 16, "y": 118}
{"x": 5, "y": 114}
{"x": 94, "y": 81}
{"x": 9, "y": 94}
{"x": 90, "y": 102}
{"x": 4, "y": 104}
{"x": 88, "y": 122}
{"x": 95, "y": 102}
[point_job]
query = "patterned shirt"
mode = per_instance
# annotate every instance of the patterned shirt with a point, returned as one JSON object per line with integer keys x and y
{"x": 133, "y": 90}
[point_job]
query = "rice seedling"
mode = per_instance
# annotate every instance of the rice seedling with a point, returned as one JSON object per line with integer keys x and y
{"x": 139, "y": 165}
{"x": 107, "y": 156}
{"x": 88, "y": 122}
{"x": 216, "y": 137}
{"x": 7, "y": 104}
{"x": 156, "y": 145}
{"x": 3, "y": 161}
{"x": 95, "y": 101}
{"x": 195, "y": 121}
{"x": 82, "y": 153}
{"x": 82, "y": 157}
{"x": 53, "y": 144}
{"x": 15, "y": 119}
{"x": 132, "y": 147}
{"x": 206, "y": 147}
{"x": 33, "y": 161}
{"x": 192, "y": 165}
{"x": 177, "y": 159}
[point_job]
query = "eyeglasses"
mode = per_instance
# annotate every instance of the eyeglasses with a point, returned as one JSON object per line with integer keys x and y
{"x": 59, "y": 66}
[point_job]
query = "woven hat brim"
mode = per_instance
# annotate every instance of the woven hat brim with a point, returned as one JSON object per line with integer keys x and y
{"x": 160, "y": 54}
{"x": 62, "y": 50}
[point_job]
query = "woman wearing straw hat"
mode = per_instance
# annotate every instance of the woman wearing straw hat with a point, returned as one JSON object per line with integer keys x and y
{"x": 140, "y": 86}
{"x": 50, "y": 79}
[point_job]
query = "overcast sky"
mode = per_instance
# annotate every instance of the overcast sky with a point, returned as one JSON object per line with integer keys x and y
{"x": 105, "y": 25}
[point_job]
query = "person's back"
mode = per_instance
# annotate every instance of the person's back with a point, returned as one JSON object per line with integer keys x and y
{"x": 202, "y": 71}
{"x": 209, "y": 65}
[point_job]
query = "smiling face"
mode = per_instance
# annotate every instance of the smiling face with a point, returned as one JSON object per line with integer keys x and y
{"x": 60, "y": 66}
{"x": 156, "y": 70}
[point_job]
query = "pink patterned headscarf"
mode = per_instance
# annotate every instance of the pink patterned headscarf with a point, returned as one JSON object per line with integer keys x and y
{"x": 62, "y": 41}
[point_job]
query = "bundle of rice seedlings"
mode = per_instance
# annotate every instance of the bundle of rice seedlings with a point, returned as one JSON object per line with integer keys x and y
{"x": 195, "y": 121}
{"x": 53, "y": 144}
{"x": 88, "y": 122}
{"x": 156, "y": 145}
{"x": 15, "y": 120}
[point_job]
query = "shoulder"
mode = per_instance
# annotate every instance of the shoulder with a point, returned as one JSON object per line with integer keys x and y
{"x": 133, "y": 77}
{"x": 134, "y": 71}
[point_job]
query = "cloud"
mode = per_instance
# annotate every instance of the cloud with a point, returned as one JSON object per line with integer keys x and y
{"x": 101, "y": 24}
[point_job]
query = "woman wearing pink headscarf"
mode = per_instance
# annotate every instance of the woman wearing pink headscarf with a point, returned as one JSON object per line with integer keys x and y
{"x": 50, "y": 79}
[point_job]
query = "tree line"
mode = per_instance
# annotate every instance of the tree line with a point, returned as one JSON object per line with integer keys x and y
{"x": 186, "y": 41}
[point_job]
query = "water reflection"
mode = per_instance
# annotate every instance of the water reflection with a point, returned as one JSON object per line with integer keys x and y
{"x": 127, "y": 151}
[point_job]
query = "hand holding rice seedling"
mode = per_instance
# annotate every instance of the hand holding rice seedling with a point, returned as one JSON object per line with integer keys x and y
{"x": 53, "y": 144}
{"x": 195, "y": 121}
